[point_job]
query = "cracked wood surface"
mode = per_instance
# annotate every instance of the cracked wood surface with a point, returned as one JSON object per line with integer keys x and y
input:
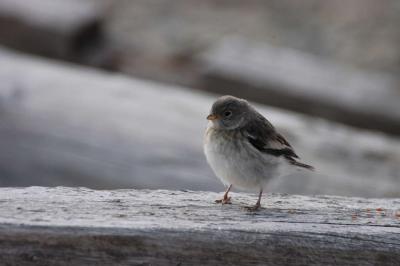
{"x": 79, "y": 226}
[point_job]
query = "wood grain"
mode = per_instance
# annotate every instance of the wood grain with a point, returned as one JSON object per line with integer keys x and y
{"x": 79, "y": 226}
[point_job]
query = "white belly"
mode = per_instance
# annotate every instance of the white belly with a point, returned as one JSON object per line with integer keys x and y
{"x": 238, "y": 162}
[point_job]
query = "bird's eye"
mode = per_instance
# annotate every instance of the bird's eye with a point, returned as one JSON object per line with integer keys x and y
{"x": 227, "y": 113}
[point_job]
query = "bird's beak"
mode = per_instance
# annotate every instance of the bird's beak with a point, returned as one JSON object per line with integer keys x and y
{"x": 212, "y": 117}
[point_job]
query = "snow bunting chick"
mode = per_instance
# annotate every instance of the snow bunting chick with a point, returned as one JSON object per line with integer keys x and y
{"x": 244, "y": 149}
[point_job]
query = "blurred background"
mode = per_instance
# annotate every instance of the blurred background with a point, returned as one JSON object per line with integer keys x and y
{"x": 114, "y": 94}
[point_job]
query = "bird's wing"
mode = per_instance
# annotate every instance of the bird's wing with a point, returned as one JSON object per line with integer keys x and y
{"x": 263, "y": 136}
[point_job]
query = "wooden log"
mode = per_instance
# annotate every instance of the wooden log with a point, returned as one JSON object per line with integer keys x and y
{"x": 64, "y": 29}
{"x": 303, "y": 82}
{"x": 79, "y": 226}
{"x": 62, "y": 124}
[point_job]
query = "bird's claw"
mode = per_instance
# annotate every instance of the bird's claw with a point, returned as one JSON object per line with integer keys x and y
{"x": 254, "y": 208}
{"x": 223, "y": 201}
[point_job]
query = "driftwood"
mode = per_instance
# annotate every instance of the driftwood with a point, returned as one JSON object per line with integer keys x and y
{"x": 303, "y": 82}
{"x": 64, "y": 29}
{"x": 78, "y": 226}
{"x": 66, "y": 125}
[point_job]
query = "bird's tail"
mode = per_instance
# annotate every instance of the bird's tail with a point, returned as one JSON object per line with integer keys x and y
{"x": 303, "y": 165}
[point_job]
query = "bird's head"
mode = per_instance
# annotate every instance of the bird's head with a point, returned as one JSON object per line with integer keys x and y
{"x": 229, "y": 113}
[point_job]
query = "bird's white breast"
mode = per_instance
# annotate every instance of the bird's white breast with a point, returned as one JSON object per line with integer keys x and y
{"x": 235, "y": 161}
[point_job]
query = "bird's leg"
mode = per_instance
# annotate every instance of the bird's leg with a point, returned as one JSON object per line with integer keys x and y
{"x": 258, "y": 204}
{"x": 225, "y": 199}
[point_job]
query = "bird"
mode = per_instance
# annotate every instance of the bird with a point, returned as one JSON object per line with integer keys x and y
{"x": 244, "y": 149}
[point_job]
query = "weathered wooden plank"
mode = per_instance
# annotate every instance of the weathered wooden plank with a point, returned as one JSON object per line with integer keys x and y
{"x": 79, "y": 226}
{"x": 67, "y": 125}
{"x": 303, "y": 82}
{"x": 65, "y": 29}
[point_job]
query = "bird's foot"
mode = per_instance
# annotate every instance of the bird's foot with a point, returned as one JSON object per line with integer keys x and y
{"x": 254, "y": 208}
{"x": 225, "y": 200}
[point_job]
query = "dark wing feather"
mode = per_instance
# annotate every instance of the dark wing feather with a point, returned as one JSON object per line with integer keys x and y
{"x": 263, "y": 136}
